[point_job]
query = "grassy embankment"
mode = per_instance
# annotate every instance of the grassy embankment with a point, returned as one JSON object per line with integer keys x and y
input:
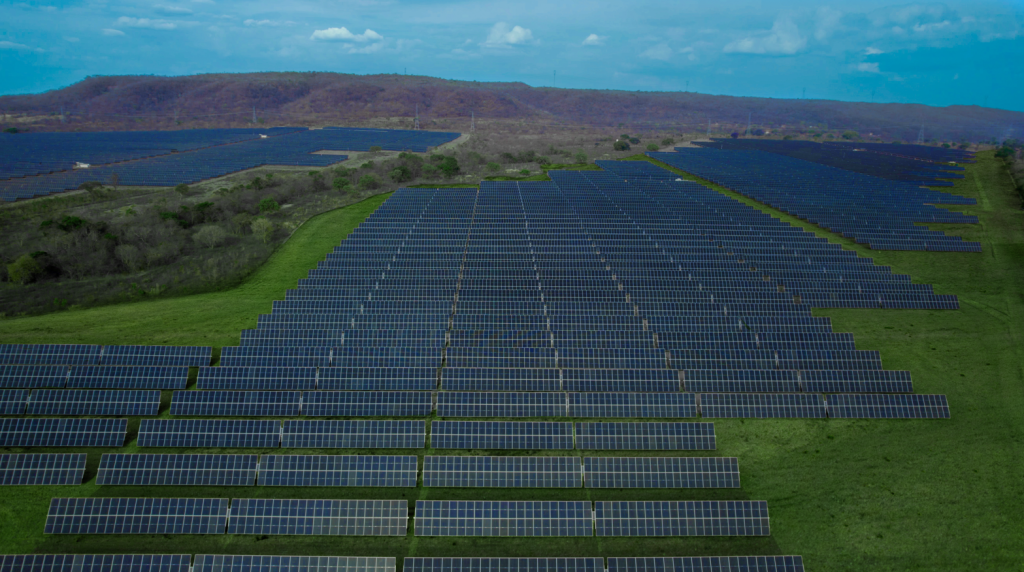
{"x": 847, "y": 494}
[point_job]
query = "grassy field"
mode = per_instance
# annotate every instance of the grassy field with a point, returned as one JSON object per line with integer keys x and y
{"x": 846, "y": 494}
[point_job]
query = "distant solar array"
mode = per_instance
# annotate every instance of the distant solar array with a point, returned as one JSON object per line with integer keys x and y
{"x": 35, "y": 164}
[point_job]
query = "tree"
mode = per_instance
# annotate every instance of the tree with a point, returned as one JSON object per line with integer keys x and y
{"x": 129, "y": 255}
{"x": 340, "y": 183}
{"x": 652, "y": 146}
{"x": 368, "y": 182}
{"x": 210, "y": 236}
{"x": 114, "y": 180}
{"x": 621, "y": 145}
{"x": 524, "y": 172}
{"x": 24, "y": 269}
{"x": 182, "y": 189}
{"x": 476, "y": 158}
{"x": 11, "y": 130}
{"x": 493, "y": 167}
{"x": 581, "y": 157}
{"x": 400, "y": 174}
{"x": 449, "y": 166}
{"x": 850, "y": 135}
{"x": 734, "y": 135}
{"x": 375, "y": 149}
{"x": 668, "y": 142}
{"x": 269, "y": 205}
{"x": 318, "y": 185}
{"x": 634, "y": 140}
{"x": 262, "y": 228}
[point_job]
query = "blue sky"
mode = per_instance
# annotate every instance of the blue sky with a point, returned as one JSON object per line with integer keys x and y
{"x": 932, "y": 53}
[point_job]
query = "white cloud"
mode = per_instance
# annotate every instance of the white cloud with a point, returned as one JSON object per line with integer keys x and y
{"x": 5, "y": 45}
{"x": 71, "y": 39}
{"x": 343, "y": 35}
{"x": 370, "y": 49}
{"x": 502, "y": 35}
{"x": 873, "y": 51}
{"x": 202, "y": 1}
{"x": 956, "y": 76}
{"x": 783, "y": 39}
{"x": 867, "y": 67}
{"x": 594, "y": 40}
{"x": 659, "y": 52}
{"x": 112, "y": 32}
{"x": 172, "y": 10}
{"x": 251, "y": 22}
{"x": 827, "y": 21}
{"x": 145, "y": 23}
{"x": 933, "y": 27}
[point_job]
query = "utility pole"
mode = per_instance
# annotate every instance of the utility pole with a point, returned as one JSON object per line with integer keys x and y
{"x": 920, "y": 136}
{"x": 687, "y": 86}
{"x": 62, "y": 113}
{"x": 254, "y": 115}
{"x": 554, "y": 78}
{"x": 748, "y": 124}
{"x": 805, "y": 94}
{"x": 416, "y": 123}
{"x": 709, "y": 127}
{"x": 472, "y": 122}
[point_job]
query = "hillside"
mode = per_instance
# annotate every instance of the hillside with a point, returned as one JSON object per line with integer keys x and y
{"x": 152, "y": 102}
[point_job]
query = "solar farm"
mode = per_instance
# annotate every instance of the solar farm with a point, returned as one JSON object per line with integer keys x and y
{"x": 470, "y": 367}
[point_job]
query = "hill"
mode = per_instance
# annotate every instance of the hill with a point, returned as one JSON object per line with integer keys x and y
{"x": 314, "y": 98}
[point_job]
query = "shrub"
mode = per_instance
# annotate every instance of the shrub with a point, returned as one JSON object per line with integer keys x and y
{"x": 129, "y": 255}
{"x": 262, "y": 228}
{"x": 634, "y": 140}
{"x": 375, "y": 149}
{"x": 318, "y": 184}
{"x": 368, "y": 182}
{"x": 757, "y": 132}
{"x": 70, "y": 223}
{"x": 400, "y": 174}
{"x": 945, "y": 145}
{"x": 182, "y": 189}
{"x": 24, "y": 269}
{"x": 90, "y": 186}
{"x": 524, "y": 172}
{"x": 668, "y": 142}
{"x": 652, "y": 146}
{"x": 340, "y": 183}
{"x": 621, "y": 145}
{"x": 436, "y": 158}
{"x": 210, "y": 236}
{"x": 787, "y": 138}
{"x": 430, "y": 171}
{"x": 581, "y": 157}
{"x": 734, "y": 135}
{"x": 240, "y": 222}
{"x": 11, "y": 130}
{"x": 255, "y": 184}
{"x": 269, "y": 205}
{"x": 493, "y": 167}
{"x": 476, "y": 158}
{"x": 449, "y": 166}
{"x": 849, "y": 135}
{"x": 368, "y": 165}
{"x": 624, "y": 136}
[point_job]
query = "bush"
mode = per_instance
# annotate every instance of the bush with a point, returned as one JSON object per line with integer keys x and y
{"x": 210, "y": 236}
{"x": 624, "y": 136}
{"x": 449, "y": 166}
{"x": 400, "y": 174}
{"x": 668, "y": 142}
{"x": 130, "y": 256}
{"x": 634, "y": 140}
{"x": 493, "y": 167}
{"x": 757, "y": 132}
{"x": 182, "y": 189}
{"x": 368, "y": 165}
{"x": 581, "y": 157}
{"x": 734, "y": 135}
{"x": 430, "y": 171}
{"x": 476, "y": 158}
{"x": 945, "y": 145}
{"x": 269, "y": 205}
{"x": 262, "y": 228}
{"x": 318, "y": 185}
{"x": 850, "y": 135}
{"x": 621, "y": 145}
{"x": 11, "y": 130}
{"x": 787, "y": 138}
{"x": 340, "y": 183}
{"x": 24, "y": 270}
{"x": 368, "y": 182}
{"x": 375, "y": 149}
{"x": 524, "y": 172}
{"x": 652, "y": 146}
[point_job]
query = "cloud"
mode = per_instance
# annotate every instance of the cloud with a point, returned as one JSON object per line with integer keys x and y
{"x": 71, "y": 39}
{"x": 172, "y": 10}
{"x": 783, "y": 39}
{"x": 867, "y": 67}
{"x": 827, "y": 21}
{"x": 873, "y": 51}
{"x": 932, "y": 27}
{"x": 202, "y": 1}
{"x": 112, "y": 32}
{"x": 145, "y": 23}
{"x": 659, "y": 52}
{"x": 343, "y": 35}
{"x": 594, "y": 40}
{"x": 5, "y": 45}
{"x": 502, "y": 35}
{"x": 370, "y": 49}
{"x": 251, "y": 22}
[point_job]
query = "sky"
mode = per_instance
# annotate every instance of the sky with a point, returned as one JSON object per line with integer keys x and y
{"x": 943, "y": 53}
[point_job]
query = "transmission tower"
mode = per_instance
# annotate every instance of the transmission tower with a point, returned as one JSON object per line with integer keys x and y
{"x": 920, "y": 136}
{"x": 254, "y": 115}
{"x": 472, "y": 122}
{"x": 709, "y": 127}
{"x": 416, "y": 122}
{"x": 748, "y": 124}
{"x": 62, "y": 114}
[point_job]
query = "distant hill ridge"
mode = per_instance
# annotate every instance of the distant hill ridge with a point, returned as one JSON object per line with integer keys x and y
{"x": 308, "y": 98}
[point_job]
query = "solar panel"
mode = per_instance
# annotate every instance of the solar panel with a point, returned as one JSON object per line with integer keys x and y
{"x": 681, "y": 518}
{"x": 645, "y": 436}
{"x": 762, "y": 405}
{"x": 504, "y": 472}
{"x": 205, "y": 470}
{"x": 500, "y": 435}
{"x": 33, "y": 376}
{"x": 189, "y": 356}
{"x": 661, "y": 472}
{"x": 331, "y": 517}
{"x": 253, "y": 378}
{"x": 93, "y": 402}
{"x": 216, "y": 403}
{"x": 500, "y": 404}
{"x": 354, "y": 434}
{"x": 209, "y": 433}
{"x": 913, "y": 406}
{"x": 367, "y": 403}
{"x": 42, "y": 469}
{"x": 95, "y": 562}
{"x": 238, "y": 563}
{"x": 42, "y": 432}
{"x": 128, "y": 377}
{"x": 633, "y": 405}
{"x": 112, "y": 515}
{"x": 707, "y": 564}
{"x": 338, "y": 471}
{"x": 378, "y": 378}
{"x": 12, "y": 401}
{"x": 503, "y": 518}
{"x": 49, "y": 354}
{"x": 504, "y": 565}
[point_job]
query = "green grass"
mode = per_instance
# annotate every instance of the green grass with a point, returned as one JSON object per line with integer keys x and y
{"x": 846, "y": 494}
{"x": 214, "y": 319}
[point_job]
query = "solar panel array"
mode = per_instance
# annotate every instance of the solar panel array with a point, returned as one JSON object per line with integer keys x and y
{"x": 95, "y": 562}
{"x": 442, "y": 564}
{"x": 661, "y": 436}
{"x": 319, "y": 517}
{"x": 209, "y": 433}
{"x": 661, "y": 472}
{"x": 215, "y": 403}
{"x": 62, "y": 432}
{"x": 873, "y": 211}
{"x": 240, "y": 563}
{"x": 113, "y": 515}
{"x": 681, "y": 518}
{"x": 708, "y": 564}
{"x": 93, "y": 402}
{"x": 500, "y": 435}
{"x": 338, "y": 471}
{"x": 42, "y": 469}
{"x": 200, "y": 470}
{"x": 43, "y": 163}
{"x": 503, "y": 472}
{"x": 503, "y": 518}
